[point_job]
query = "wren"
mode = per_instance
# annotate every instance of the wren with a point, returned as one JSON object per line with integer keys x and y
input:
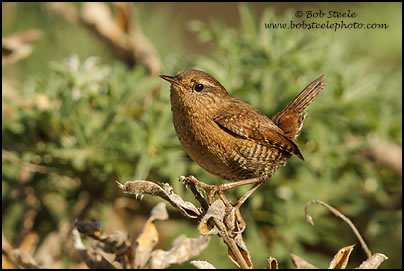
{"x": 228, "y": 137}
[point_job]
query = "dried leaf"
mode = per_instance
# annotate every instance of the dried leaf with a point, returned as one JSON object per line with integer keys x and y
{"x": 217, "y": 211}
{"x": 183, "y": 249}
{"x": 373, "y": 262}
{"x": 159, "y": 212}
{"x": 341, "y": 259}
{"x": 272, "y": 263}
{"x": 51, "y": 249}
{"x": 202, "y": 265}
{"x": 164, "y": 191}
{"x": 6, "y": 247}
{"x": 29, "y": 242}
{"x": 300, "y": 263}
{"x": 6, "y": 262}
{"x": 22, "y": 259}
{"x": 145, "y": 243}
{"x": 93, "y": 258}
{"x": 116, "y": 242}
{"x": 77, "y": 243}
{"x": 18, "y": 45}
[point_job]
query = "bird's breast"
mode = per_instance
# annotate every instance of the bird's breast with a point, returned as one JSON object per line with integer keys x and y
{"x": 203, "y": 140}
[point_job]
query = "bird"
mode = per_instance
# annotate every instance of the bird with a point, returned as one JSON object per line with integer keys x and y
{"x": 230, "y": 138}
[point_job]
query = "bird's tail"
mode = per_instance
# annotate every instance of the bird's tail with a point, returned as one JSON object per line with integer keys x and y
{"x": 290, "y": 119}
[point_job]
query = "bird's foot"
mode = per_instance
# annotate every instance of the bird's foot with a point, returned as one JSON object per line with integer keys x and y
{"x": 235, "y": 223}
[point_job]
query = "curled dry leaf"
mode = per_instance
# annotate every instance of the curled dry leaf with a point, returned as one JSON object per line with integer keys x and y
{"x": 272, "y": 263}
{"x": 149, "y": 237}
{"x": 373, "y": 262}
{"x": 183, "y": 249}
{"x": 217, "y": 211}
{"x": 159, "y": 212}
{"x": 341, "y": 259}
{"x": 202, "y": 265}
{"x": 145, "y": 243}
{"x": 300, "y": 263}
{"x": 164, "y": 191}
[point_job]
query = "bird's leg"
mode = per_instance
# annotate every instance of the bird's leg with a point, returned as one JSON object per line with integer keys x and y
{"x": 200, "y": 184}
{"x": 214, "y": 189}
{"x": 227, "y": 186}
{"x": 240, "y": 220}
{"x": 249, "y": 192}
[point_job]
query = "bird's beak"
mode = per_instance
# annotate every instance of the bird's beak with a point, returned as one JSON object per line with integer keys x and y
{"x": 171, "y": 79}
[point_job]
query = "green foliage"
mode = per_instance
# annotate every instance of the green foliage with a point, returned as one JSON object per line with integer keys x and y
{"x": 92, "y": 123}
{"x": 89, "y": 124}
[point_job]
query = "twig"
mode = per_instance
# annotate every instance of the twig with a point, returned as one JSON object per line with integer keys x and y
{"x": 340, "y": 215}
{"x": 225, "y": 227}
{"x": 194, "y": 190}
{"x": 231, "y": 244}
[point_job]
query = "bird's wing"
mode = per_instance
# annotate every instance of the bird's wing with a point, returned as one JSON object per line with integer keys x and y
{"x": 242, "y": 120}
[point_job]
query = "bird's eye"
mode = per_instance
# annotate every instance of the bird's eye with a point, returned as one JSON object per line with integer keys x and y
{"x": 198, "y": 87}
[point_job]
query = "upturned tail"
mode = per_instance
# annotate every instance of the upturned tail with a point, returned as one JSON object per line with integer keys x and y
{"x": 290, "y": 119}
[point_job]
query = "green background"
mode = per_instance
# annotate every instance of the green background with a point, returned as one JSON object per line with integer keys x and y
{"x": 113, "y": 129}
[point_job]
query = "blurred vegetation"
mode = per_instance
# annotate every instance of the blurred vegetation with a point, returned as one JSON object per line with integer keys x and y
{"x": 92, "y": 121}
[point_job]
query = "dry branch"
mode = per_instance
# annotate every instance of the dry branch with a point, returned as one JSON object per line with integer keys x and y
{"x": 122, "y": 34}
{"x": 341, "y": 258}
{"x": 340, "y": 215}
{"x": 218, "y": 216}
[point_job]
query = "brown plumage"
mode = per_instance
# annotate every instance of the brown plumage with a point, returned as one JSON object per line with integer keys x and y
{"x": 228, "y": 137}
